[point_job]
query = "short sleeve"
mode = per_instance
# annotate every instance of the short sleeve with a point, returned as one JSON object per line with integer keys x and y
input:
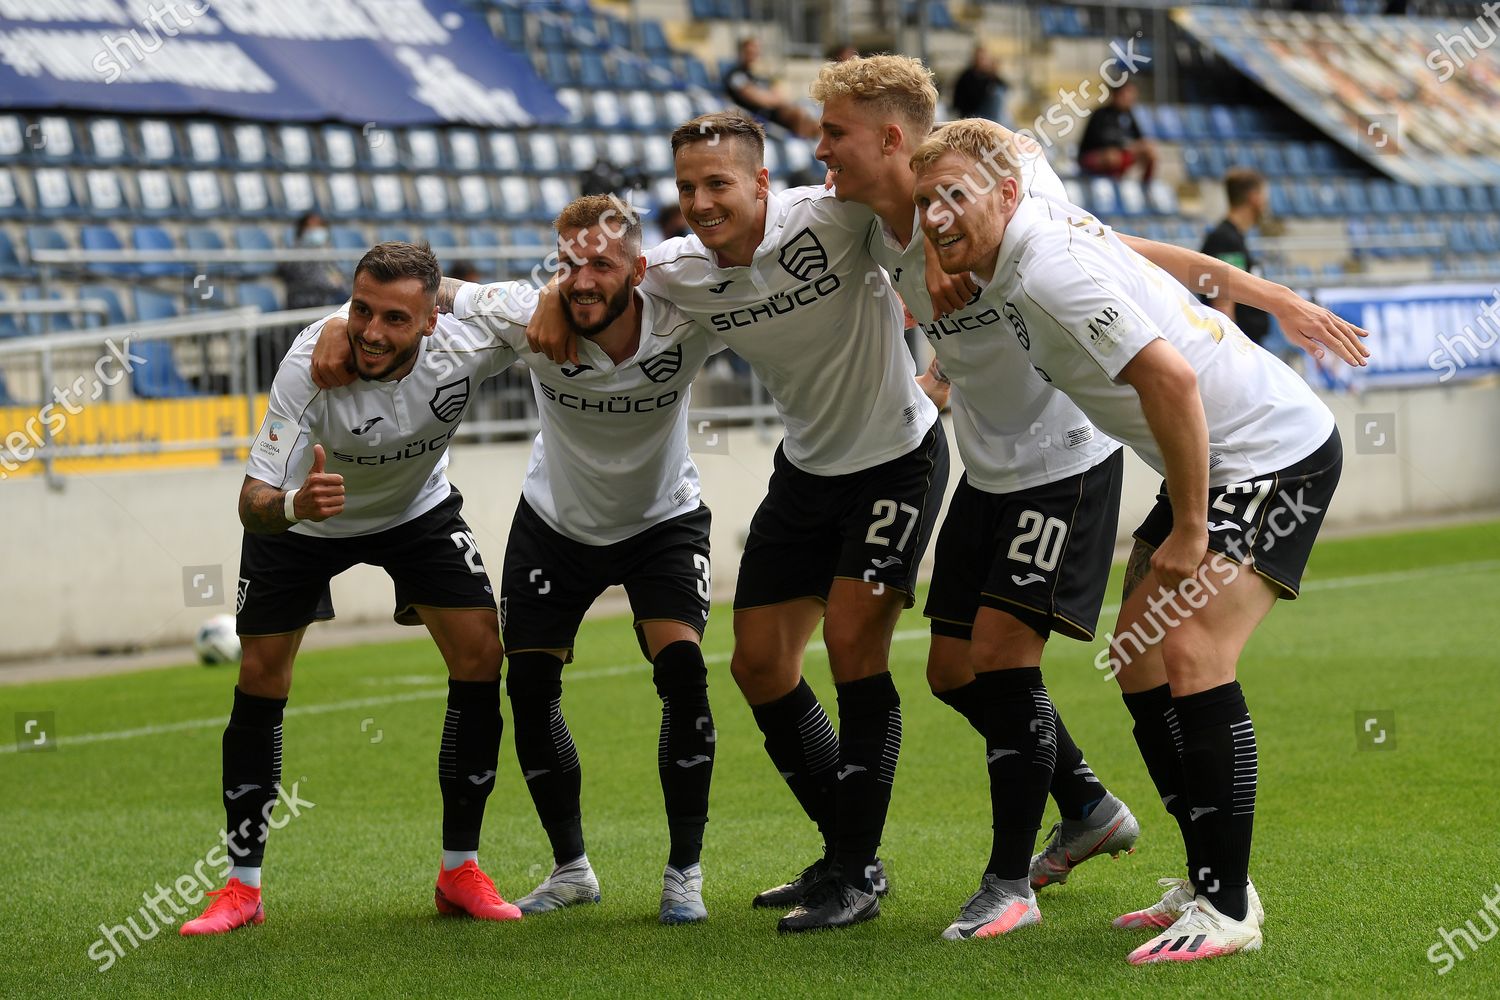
{"x": 1090, "y": 312}
{"x": 283, "y": 436}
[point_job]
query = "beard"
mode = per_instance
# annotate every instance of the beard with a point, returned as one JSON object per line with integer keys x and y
{"x": 613, "y": 307}
{"x": 397, "y": 362}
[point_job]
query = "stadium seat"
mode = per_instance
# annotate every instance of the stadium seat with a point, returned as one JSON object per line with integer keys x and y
{"x": 541, "y": 154}
{"x": 593, "y": 73}
{"x": 656, "y": 155}
{"x": 692, "y": 69}
{"x": 155, "y": 238}
{"x": 1162, "y": 197}
{"x": 205, "y": 193}
{"x": 1454, "y": 200}
{"x": 258, "y": 296}
{"x": 392, "y": 234}
{"x": 346, "y": 238}
{"x": 387, "y": 196}
{"x": 208, "y": 239}
{"x": 1356, "y": 199}
{"x": 1196, "y": 123}
{"x": 157, "y": 143}
{"x": 505, "y": 152}
{"x": 54, "y": 141}
{"x": 653, "y": 38}
{"x": 102, "y": 193}
{"x": 556, "y": 194}
{"x": 37, "y": 324}
{"x": 54, "y": 192}
{"x": 1132, "y": 197}
{"x": 157, "y": 197}
{"x": 205, "y": 145}
{"x": 1382, "y": 198}
{"x": 251, "y": 148}
{"x": 1406, "y": 200}
{"x": 341, "y": 145}
{"x": 12, "y": 137}
{"x": 45, "y": 238}
{"x": 345, "y": 199}
{"x": 464, "y": 150}
{"x": 1103, "y": 197}
{"x": 298, "y": 196}
{"x": 106, "y": 141}
{"x": 295, "y": 147}
{"x": 424, "y": 151}
{"x": 608, "y": 114}
{"x": 1480, "y": 201}
{"x": 1304, "y": 201}
{"x": 158, "y": 377}
{"x": 1222, "y": 122}
{"x": 517, "y": 198}
{"x": 8, "y": 328}
{"x": 579, "y": 107}
{"x": 252, "y": 199}
{"x": 1167, "y": 121}
{"x": 630, "y": 73}
{"x": 105, "y": 238}
{"x": 10, "y": 262}
{"x": 440, "y": 239}
{"x": 115, "y": 315}
{"x": 431, "y": 196}
{"x": 578, "y": 151}
{"x": 623, "y": 150}
{"x": 248, "y": 237}
{"x": 642, "y": 111}
{"x": 11, "y": 202}
{"x": 473, "y": 196}
{"x": 1430, "y": 198}
{"x": 556, "y": 68}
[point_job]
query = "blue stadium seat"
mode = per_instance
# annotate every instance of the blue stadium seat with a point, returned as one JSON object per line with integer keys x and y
{"x": 1298, "y": 160}
{"x": 1482, "y": 236}
{"x": 1196, "y": 123}
{"x": 107, "y": 142}
{"x": 1221, "y": 120}
{"x": 692, "y": 70}
{"x": 262, "y": 297}
{"x": 156, "y": 143}
{"x": 552, "y": 34}
{"x": 103, "y": 194}
{"x": 209, "y": 239}
{"x": 630, "y": 74}
{"x": 1382, "y": 198}
{"x": 45, "y": 238}
{"x": 105, "y": 238}
{"x": 158, "y": 378}
{"x": 440, "y": 238}
{"x": 1103, "y": 197}
{"x": 153, "y": 307}
{"x": 1271, "y": 161}
{"x": 1248, "y": 122}
{"x": 346, "y": 238}
{"x": 1460, "y": 238}
{"x": 111, "y": 299}
{"x": 485, "y": 236}
{"x": 54, "y": 192}
{"x": 704, "y": 10}
{"x": 10, "y": 261}
{"x": 513, "y": 28}
{"x": 156, "y": 238}
{"x": 1329, "y": 197}
{"x": 1168, "y": 122}
{"x": 1304, "y": 202}
{"x": 557, "y": 69}
{"x": 249, "y": 237}
{"x": 1454, "y": 200}
{"x": 392, "y": 234}
{"x": 1430, "y": 197}
{"x": 8, "y": 328}
{"x": 1324, "y": 157}
{"x": 1356, "y": 200}
{"x": 592, "y": 70}
{"x": 653, "y": 38}
{"x": 1195, "y": 162}
{"x": 37, "y": 323}
{"x": 1480, "y": 202}
{"x": 1405, "y": 197}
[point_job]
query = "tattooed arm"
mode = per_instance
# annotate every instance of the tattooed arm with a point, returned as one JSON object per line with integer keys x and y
{"x": 1137, "y": 568}
{"x": 263, "y": 506}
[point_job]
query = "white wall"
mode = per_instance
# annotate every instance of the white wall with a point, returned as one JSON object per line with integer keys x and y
{"x": 101, "y": 564}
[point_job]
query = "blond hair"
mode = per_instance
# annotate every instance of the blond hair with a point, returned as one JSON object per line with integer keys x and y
{"x": 606, "y": 212}
{"x": 993, "y": 148}
{"x": 894, "y": 85}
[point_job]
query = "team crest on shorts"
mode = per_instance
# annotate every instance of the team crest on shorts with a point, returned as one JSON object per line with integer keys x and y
{"x": 239, "y": 596}
{"x": 662, "y": 367}
{"x": 448, "y": 401}
{"x": 804, "y": 257}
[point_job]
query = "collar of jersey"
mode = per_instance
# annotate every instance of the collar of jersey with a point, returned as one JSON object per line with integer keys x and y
{"x": 1026, "y": 217}
{"x": 889, "y": 235}
{"x": 776, "y": 209}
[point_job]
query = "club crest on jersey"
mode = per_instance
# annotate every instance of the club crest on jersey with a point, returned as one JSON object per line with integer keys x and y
{"x": 804, "y": 257}
{"x": 662, "y": 367}
{"x": 448, "y": 401}
{"x": 1018, "y": 324}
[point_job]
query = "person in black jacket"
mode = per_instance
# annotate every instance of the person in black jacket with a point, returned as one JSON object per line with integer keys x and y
{"x": 1112, "y": 142}
{"x": 1248, "y": 200}
{"x": 979, "y": 91}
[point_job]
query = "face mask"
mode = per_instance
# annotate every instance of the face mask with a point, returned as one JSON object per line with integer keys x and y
{"x": 317, "y": 237}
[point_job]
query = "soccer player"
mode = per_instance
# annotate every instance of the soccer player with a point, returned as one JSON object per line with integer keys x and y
{"x": 389, "y": 505}
{"x": 787, "y": 282}
{"x": 611, "y": 497}
{"x": 1250, "y": 456}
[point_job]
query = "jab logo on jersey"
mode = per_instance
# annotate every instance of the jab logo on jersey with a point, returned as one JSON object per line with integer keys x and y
{"x": 448, "y": 401}
{"x": 1103, "y": 330}
{"x": 804, "y": 256}
{"x": 662, "y": 367}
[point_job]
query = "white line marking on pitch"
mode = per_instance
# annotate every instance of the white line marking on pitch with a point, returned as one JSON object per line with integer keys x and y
{"x": 905, "y": 635}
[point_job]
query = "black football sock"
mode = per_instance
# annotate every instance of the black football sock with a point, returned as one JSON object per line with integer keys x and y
{"x": 685, "y": 751}
{"x": 467, "y": 758}
{"x": 1075, "y": 787}
{"x": 1021, "y": 749}
{"x": 1219, "y": 760}
{"x": 545, "y": 750}
{"x": 802, "y": 744}
{"x": 252, "y": 774}
{"x": 1159, "y": 738}
{"x": 869, "y": 747}
{"x": 964, "y": 700}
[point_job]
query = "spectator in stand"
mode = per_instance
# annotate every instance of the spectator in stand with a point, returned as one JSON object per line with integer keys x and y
{"x": 465, "y": 271}
{"x": 312, "y": 282}
{"x": 670, "y": 222}
{"x": 843, "y": 52}
{"x": 1248, "y": 202}
{"x": 762, "y": 98}
{"x": 979, "y": 91}
{"x": 1112, "y": 142}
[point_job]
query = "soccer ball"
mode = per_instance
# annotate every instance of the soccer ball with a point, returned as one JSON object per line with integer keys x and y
{"x": 217, "y": 641}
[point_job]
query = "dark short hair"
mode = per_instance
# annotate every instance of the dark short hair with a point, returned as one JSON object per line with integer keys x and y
{"x": 722, "y": 125}
{"x": 387, "y": 262}
{"x": 1240, "y": 183}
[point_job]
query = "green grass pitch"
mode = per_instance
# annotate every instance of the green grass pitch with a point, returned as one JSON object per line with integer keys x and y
{"x": 1361, "y": 855}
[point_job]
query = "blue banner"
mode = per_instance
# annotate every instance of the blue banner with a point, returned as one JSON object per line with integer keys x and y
{"x": 390, "y": 62}
{"x": 1419, "y": 334}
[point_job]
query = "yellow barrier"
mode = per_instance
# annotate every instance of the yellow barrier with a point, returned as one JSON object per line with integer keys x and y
{"x": 146, "y": 423}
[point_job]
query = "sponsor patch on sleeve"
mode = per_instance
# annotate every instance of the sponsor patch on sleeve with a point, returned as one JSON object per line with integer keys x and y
{"x": 1105, "y": 330}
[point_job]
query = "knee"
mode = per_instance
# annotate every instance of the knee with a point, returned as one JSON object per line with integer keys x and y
{"x": 479, "y": 661}
{"x": 679, "y": 670}
{"x": 265, "y": 676}
{"x": 534, "y": 677}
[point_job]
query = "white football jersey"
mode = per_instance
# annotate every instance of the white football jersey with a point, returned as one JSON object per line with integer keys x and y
{"x": 813, "y": 315}
{"x": 612, "y": 458}
{"x": 1083, "y": 304}
{"x": 389, "y": 440}
{"x": 1014, "y": 431}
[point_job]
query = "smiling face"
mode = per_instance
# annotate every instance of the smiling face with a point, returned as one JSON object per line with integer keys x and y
{"x": 965, "y": 206}
{"x": 600, "y": 277}
{"x": 855, "y": 146}
{"x": 721, "y": 189}
{"x": 387, "y": 321}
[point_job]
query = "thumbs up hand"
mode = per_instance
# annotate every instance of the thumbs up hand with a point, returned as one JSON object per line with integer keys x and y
{"x": 321, "y": 495}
